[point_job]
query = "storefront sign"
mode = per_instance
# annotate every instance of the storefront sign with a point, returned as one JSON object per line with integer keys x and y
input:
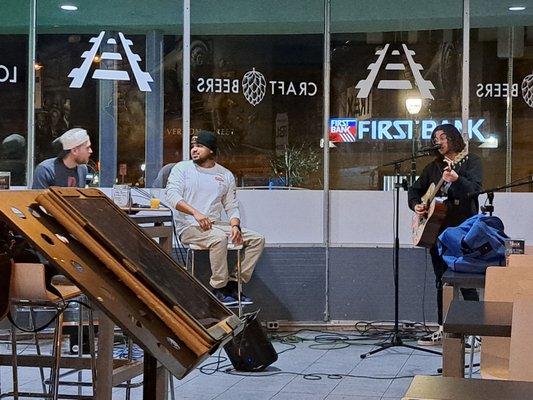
{"x": 423, "y": 85}
{"x": 78, "y": 75}
{"x": 254, "y": 86}
{"x": 348, "y": 130}
{"x": 8, "y": 74}
{"x": 342, "y": 130}
{"x": 496, "y": 90}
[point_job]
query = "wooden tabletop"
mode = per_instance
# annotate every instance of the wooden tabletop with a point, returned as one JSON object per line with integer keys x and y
{"x": 462, "y": 279}
{"x": 445, "y": 388}
{"x": 487, "y": 318}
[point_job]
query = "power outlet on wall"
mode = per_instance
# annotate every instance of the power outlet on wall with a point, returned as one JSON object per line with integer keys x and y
{"x": 272, "y": 325}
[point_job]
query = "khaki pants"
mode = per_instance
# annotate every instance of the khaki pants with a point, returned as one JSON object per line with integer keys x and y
{"x": 216, "y": 240}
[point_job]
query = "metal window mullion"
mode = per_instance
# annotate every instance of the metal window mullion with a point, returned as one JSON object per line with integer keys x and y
{"x": 325, "y": 123}
{"x": 30, "y": 121}
{"x": 509, "y": 113}
{"x": 465, "y": 101}
{"x": 186, "y": 79}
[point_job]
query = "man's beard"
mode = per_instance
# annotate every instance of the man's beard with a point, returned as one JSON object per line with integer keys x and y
{"x": 81, "y": 160}
{"x": 201, "y": 160}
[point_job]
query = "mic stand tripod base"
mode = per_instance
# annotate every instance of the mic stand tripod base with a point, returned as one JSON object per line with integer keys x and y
{"x": 396, "y": 341}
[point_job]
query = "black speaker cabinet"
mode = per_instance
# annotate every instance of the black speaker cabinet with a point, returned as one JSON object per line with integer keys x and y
{"x": 251, "y": 350}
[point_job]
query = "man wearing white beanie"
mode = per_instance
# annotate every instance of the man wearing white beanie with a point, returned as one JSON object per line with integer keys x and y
{"x": 69, "y": 168}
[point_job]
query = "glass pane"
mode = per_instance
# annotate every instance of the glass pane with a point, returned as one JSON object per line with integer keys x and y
{"x": 13, "y": 92}
{"x": 381, "y": 55}
{"x": 104, "y": 68}
{"x": 501, "y": 89}
{"x": 256, "y": 80}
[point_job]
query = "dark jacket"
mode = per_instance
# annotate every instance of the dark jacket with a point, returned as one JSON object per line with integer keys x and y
{"x": 460, "y": 205}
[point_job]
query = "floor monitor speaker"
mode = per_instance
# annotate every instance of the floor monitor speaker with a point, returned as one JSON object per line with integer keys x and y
{"x": 251, "y": 350}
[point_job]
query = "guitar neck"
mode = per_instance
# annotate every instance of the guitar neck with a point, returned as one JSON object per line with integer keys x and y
{"x": 453, "y": 165}
{"x": 434, "y": 194}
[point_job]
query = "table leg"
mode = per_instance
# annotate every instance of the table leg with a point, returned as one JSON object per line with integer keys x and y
{"x": 149, "y": 377}
{"x": 453, "y": 356}
{"x": 162, "y": 383}
{"x": 448, "y": 294}
{"x": 104, "y": 359}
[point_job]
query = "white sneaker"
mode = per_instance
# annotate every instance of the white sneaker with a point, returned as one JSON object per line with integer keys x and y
{"x": 477, "y": 344}
{"x": 433, "y": 339}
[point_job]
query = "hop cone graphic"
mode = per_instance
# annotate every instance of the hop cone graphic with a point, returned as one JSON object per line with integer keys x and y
{"x": 253, "y": 86}
{"x": 527, "y": 90}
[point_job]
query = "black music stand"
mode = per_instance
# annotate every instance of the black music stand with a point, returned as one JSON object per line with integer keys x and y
{"x": 396, "y": 339}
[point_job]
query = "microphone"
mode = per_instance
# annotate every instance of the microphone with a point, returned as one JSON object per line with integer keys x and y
{"x": 429, "y": 148}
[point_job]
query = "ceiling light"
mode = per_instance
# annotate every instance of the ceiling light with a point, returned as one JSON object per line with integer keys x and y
{"x": 69, "y": 7}
{"x": 517, "y": 8}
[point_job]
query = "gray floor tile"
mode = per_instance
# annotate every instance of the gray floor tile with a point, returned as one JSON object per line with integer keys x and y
{"x": 264, "y": 383}
{"x": 279, "y": 384}
{"x": 319, "y": 387}
{"x": 354, "y": 397}
{"x": 298, "y": 396}
{"x": 251, "y": 393}
{"x": 398, "y": 387}
{"x": 362, "y": 387}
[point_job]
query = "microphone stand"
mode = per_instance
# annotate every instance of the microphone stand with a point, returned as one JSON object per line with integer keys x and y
{"x": 490, "y": 193}
{"x": 395, "y": 339}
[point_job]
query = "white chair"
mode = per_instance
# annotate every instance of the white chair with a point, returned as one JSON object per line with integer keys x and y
{"x": 191, "y": 248}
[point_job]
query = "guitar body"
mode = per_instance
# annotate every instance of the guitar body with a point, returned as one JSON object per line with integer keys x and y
{"x": 425, "y": 228}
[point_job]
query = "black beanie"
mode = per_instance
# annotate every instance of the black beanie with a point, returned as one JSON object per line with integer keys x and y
{"x": 206, "y": 138}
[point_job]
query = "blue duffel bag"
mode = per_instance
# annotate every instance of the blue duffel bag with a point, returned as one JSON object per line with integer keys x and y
{"x": 479, "y": 242}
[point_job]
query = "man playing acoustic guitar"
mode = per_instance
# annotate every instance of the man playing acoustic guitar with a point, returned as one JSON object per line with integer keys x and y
{"x": 461, "y": 174}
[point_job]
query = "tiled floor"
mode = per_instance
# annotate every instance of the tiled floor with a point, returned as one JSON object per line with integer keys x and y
{"x": 294, "y": 376}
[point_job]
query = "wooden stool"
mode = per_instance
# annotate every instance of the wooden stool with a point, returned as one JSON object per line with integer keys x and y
{"x": 191, "y": 248}
{"x": 28, "y": 289}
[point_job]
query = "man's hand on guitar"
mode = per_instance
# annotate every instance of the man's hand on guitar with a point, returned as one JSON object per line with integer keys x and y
{"x": 449, "y": 175}
{"x": 420, "y": 209}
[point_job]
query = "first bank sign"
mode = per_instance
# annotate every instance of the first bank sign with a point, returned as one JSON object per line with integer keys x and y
{"x": 350, "y": 129}
{"x": 254, "y": 87}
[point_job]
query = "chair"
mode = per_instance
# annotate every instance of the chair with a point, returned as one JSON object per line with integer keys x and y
{"x": 511, "y": 284}
{"x": 28, "y": 289}
{"x": 191, "y": 248}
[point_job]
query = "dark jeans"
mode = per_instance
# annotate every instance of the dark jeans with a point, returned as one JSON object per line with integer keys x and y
{"x": 439, "y": 267}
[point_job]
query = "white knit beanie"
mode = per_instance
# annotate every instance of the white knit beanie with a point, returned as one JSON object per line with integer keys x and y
{"x": 73, "y": 138}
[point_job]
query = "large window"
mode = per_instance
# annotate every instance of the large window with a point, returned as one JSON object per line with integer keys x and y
{"x": 104, "y": 67}
{"x": 380, "y": 57}
{"x": 256, "y": 80}
{"x": 14, "y": 91}
{"x": 501, "y": 89}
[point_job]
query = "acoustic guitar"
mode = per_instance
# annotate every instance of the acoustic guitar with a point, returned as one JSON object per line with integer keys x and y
{"x": 426, "y": 227}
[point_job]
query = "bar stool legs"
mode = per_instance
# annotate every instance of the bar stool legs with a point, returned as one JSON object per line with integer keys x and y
{"x": 92, "y": 349}
{"x": 239, "y": 283}
{"x": 14, "y": 364}
{"x": 56, "y": 354}
{"x": 33, "y": 319}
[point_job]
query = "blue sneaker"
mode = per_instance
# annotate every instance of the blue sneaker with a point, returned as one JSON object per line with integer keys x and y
{"x": 232, "y": 288}
{"x": 245, "y": 299}
{"x": 225, "y": 299}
